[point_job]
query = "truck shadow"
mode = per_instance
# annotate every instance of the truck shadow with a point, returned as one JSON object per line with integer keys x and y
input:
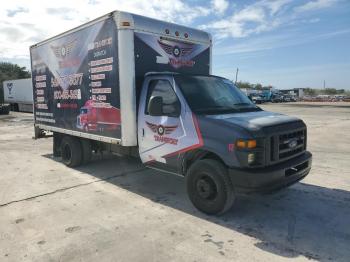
{"x": 303, "y": 220}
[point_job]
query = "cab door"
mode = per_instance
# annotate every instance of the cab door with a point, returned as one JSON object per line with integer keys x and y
{"x": 158, "y": 131}
{"x": 166, "y": 125}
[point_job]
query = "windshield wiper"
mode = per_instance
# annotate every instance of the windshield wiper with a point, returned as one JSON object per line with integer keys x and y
{"x": 216, "y": 109}
{"x": 242, "y": 104}
{"x": 249, "y": 109}
{"x": 249, "y": 105}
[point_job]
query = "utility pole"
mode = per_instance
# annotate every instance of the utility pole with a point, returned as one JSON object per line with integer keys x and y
{"x": 236, "y": 75}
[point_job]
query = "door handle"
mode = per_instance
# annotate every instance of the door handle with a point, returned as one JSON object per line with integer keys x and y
{"x": 143, "y": 132}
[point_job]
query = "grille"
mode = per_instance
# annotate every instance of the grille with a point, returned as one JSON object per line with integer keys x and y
{"x": 286, "y": 145}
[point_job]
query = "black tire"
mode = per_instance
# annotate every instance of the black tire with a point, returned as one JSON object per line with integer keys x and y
{"x": 209, "y": 187}
{"x": 7, "y": 110}
{"x": 71, "y": 151}
{"x": 86, "y": 150}
{"x": 4, "y": 110}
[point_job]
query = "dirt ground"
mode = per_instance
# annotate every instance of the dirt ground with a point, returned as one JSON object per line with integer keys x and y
{"x": 114, "y": 209}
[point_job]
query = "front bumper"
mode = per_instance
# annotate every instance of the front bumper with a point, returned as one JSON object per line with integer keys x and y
{"x": 273, "y": 177}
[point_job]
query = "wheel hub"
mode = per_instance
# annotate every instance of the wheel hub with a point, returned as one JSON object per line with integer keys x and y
{"x": 206, "y": 188}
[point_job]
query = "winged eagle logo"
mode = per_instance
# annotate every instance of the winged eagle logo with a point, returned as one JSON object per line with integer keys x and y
{"x": 9, "y": 87}
{"x": 160, "y": 129}
{"x": 64, "y": 50}
{"x": 175, "y": 50}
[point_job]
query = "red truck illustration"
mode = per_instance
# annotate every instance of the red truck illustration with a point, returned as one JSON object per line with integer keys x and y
{"x": 96, "y": 116}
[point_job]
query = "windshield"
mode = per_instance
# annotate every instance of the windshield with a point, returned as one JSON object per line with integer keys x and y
{"x": 213, "y": 95}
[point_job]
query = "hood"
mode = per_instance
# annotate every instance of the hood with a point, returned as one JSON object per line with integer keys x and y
{"x": 254, "y": 121}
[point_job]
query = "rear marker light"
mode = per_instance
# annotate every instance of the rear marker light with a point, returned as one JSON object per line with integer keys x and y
{"x": 167, "y": 31}
{"x": 186, "y": 35}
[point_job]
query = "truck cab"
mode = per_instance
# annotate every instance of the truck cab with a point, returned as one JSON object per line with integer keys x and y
{"x": 193, "y": 125}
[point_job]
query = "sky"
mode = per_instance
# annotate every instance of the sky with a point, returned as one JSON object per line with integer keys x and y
{"x": 283, "y": 43}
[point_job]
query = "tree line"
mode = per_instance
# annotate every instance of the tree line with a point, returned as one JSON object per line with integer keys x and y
{"x": 9, "y": 71}
{"x": 247, "y": 85}
{"x": 325, "y": 91}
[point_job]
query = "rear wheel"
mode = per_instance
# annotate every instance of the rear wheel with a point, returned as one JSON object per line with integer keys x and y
{"x": 209, "y": 187}
{"x": 86, "y": 150}
{"x": 4, "y": 110}
{"x": 71, "y": 151}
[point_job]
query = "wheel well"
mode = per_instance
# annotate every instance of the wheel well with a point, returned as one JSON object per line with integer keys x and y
{"x": 196, "y": 155}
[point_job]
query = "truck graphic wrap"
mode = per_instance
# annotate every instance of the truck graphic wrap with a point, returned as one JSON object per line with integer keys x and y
{"x": 175, "y": 53}
{"x": 161, "y": 138}
{"x": 172, "y": 54}
{"x": 167, "y": 137}
{"x": 170, "y": 140}
{"x": 75, "y": 80}
{"x": 158, "y": 53}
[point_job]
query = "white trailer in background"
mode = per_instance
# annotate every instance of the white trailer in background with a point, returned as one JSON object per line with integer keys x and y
{"x": 19, "y": 94}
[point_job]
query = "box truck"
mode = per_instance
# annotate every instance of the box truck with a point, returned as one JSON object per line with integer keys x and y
{"x": 142, "y": 87}
{"x": 19, "y": 94}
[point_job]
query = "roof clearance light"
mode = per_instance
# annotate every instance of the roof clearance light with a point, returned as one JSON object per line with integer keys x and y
{"x": 167, "y": 31}
{"x": 125, "y": 23}
{"x": 177, "y": 33}
{"x": 186, "y": 35}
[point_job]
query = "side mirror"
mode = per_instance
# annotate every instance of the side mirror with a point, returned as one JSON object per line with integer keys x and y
{"x": 155, "y": 106}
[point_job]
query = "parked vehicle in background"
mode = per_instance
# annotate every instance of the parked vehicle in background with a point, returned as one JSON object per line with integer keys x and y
{"x": 4, "y": 108}
{"x": 19, "y": 94}
{"x": 137, "y": 86}
{"x": 275, "y": 98}
{"x": 257, "y": 99}
{"x": 266, "y": 95}
{"x": 287, "y": 98}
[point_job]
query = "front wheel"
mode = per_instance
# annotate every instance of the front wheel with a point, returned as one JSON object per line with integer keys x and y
{"x": 209, "y": 187}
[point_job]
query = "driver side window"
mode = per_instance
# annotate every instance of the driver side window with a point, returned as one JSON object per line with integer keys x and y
{"x": 163, "y": 89}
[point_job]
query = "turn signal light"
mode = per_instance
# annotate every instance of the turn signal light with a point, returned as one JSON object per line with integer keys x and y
{"x": 241, "y": 144}
{"x": 246, "y": 143}
{"x": 251, "y": 144}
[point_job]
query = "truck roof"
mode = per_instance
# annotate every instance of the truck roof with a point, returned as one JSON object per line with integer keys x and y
{"x": 145, "y": 24}
{"x": 176, "y": 73}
